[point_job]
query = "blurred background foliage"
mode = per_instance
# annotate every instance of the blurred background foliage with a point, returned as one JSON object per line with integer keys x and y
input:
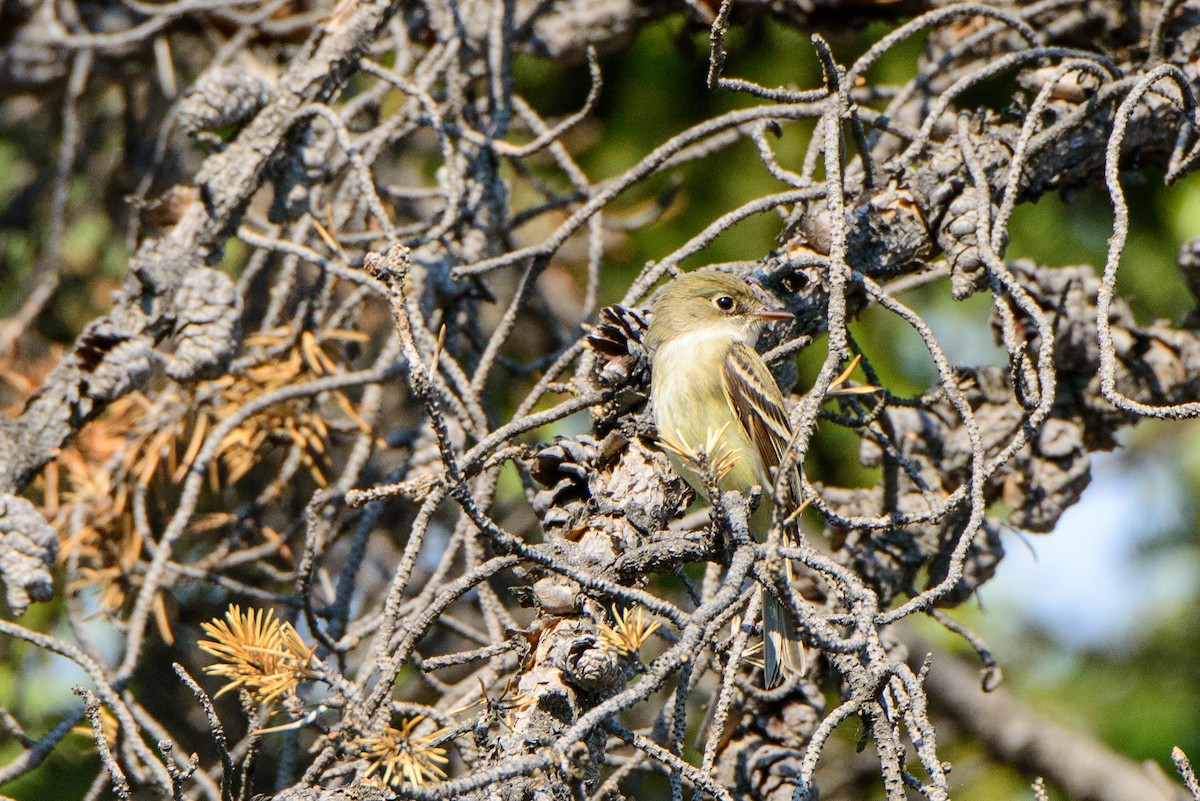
{"x": 1096, "y": 625}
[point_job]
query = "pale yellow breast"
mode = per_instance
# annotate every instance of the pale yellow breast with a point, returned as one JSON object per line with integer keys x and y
{"x": 690, "y": 407}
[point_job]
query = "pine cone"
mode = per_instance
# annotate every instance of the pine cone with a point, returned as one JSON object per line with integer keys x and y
{"x": 958, "y": 238}
{"x": 563, "y": 469}
{"x": 640, "y": 489}
{"x": 222, "y": 96}
{"x": 983, "y": 557}
{"x": 207, "y": 318}
{"x": 28, "y": 546}
{"x": 622, "y": 359}
{"x": 603, "y": 498}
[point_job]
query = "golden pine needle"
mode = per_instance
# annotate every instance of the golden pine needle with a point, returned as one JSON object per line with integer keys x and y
{"x": 400, "y": 757}
{"x": 845, "y": 374}
{"x": 162, "y": 620}
{"x": 629, "y": 634}
{"x": 720, "y": 458}
{"x": 109, "y": 727}
{"x": 348, "y": 409}
{"x": 345, "y": 334}
{"x": 313, "y": 356}
{"x": 751, "y": 654}
{"x": 155, "y": 442}
{"x": 437, "y": 350}
{"x": 257, "y": 653}
{"x": 836, "y": 388}
{"x": 323, "y": 232}
{"x": 193, "y": 448}
{"x": 791, "y": 518}
{"x": 289, "y": 726}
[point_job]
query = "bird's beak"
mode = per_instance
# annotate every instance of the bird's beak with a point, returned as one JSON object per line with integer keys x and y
{"x": 773, "y": 314}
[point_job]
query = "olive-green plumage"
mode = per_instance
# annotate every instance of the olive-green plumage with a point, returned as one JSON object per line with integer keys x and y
{"x": 711, "y": 390}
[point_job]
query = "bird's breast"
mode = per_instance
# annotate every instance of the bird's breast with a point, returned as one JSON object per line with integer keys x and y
{"x": 690, "y": 407}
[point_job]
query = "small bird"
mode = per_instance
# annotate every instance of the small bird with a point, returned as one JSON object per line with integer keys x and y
{"x": 711, "y": 390}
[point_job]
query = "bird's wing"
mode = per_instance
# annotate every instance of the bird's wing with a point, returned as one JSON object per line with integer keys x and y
{"x": 757, "y": 403}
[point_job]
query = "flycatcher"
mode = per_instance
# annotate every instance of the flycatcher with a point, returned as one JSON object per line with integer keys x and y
{"x": 711, "y": 390}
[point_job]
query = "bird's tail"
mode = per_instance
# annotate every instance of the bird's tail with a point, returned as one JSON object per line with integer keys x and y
{"x": 783, "y": 652}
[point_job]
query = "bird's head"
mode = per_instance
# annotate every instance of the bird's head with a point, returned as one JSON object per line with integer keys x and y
{"x": 709, "y": 303}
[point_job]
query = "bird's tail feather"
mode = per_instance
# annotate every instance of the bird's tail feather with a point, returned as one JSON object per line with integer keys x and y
{"x": 783, "y": 652}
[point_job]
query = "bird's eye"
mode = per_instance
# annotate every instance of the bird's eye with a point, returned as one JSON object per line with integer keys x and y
{"x": 724, "y": 303}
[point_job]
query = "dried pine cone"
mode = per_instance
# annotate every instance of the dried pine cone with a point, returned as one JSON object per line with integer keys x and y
{"x": 563, "y": 469}
{"x": 602, "y": 499}
{"x": 1056, "y": 474}
{"x": 889, "y": 560}
{"x": 622, "y": 359}
{"x": 766, "y": 749}
{"x": 637, "y": 487}
{"x": 958, "y": 238}
{"x": 208, "y": 312}
{"x": 593, "y": 668}
{"x": 983, "y": 557}
{"x": 28, "y": 545}
{"x": 791, "y": 722}
{"x": 113, "y": 361}
{"x": 222, "y": 96}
